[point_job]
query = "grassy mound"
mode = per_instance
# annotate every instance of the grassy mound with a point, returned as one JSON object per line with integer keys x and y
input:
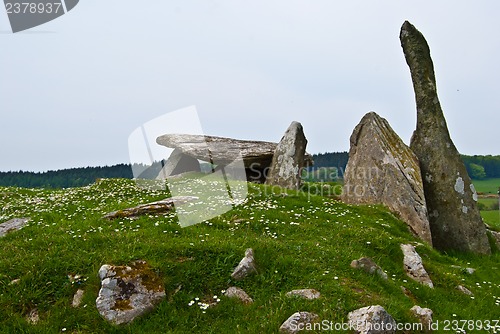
{"x": 299, "y": 240}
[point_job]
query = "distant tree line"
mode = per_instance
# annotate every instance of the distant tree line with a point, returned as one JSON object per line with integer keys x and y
{"x": 64, "y": 178}
{"x": 327, "y": 166}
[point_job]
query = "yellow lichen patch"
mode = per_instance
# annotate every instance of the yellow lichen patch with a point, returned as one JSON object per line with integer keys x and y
{"x": 122, "y": 305}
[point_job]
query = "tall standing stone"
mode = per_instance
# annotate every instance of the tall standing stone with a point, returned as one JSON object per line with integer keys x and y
{"x": 451, "y": 198}
{"x": 288, "y": 159}
{"x": 383, "y": 170}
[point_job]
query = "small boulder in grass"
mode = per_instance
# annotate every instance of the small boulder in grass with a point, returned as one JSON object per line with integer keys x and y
{"x": 425, "y": 317}
{"x": 372, "y": 320}
{"x": 234, "y": 292}
{"x": 368, "y": 265}
{"x": 304, "y": 293}
{"x": 299, "y": 321}
{"x": 246, "y": 266}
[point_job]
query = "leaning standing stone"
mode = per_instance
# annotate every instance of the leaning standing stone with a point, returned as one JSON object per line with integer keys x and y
{"x": 383, "y": 170}
{"x": 246, "y": 266}
{"x": 288, "y": 159}
{"x": 451, "y": 198}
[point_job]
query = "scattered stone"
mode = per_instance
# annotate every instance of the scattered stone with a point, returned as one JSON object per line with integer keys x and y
{"x": 382, "y": 170}
{"x": 425, "y": 317}
{"x": 304, "y": 293}
{"x": 299, "y": 321}
{"x": 470, "y": 271}
{"x": 451, "y": 199}
{"x": 158, "y": 207}
{"x": 77, "y": 298}
{"x": 367, "y": 264}
{"x": 464, "y": 290}
{"x": 128, "y": 291}
{"x": 178, "y": 163}
{"x": 33, "y": 317}
{"x": 15, "y": 281}
{"x": 288, "y": 159}
{"x": 407, "y": 292}
{"x": 414, "y": 267}
{"x": 234, "y": 292}
{"x": 12, "y": 225}
{"x": 246, "y": 266}
{"x": 256, "y": 155}
{"x": 371, "y": 320}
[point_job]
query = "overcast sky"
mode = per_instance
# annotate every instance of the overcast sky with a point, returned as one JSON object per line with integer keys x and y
{"x": 74, "y": 89}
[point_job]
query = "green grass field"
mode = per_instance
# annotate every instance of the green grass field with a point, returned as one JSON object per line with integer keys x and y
{"x": 299, "y": 240}
{"x": 488, "y": 186}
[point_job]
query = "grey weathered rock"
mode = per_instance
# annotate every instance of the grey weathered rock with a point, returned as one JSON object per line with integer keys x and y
{"x": 234, "y": 292}
{"x": 425, "y": 317}
{"x": 12, "y": 225}
{"x": 158, "y": 207}
{"x": 33, "y": 317}
{"x": 178, "y": 163}
{"x": 414, "y": 267}
{"x": 299, "y": 321}
{"x": 369, "y": 266}
{"x": 451, "y": 198}
{"x": 128, "y": 291}
{"x": 383, "y": 170}
{"x": 304, "y": 293}
{"x": 288, "y": 159}
{"x": 256, "y": 155}
{"x": 246, "y": 266}
{"x": 371, "y": 320}
{"x": 77, "y": 298}
{"x": 464, "y": 290}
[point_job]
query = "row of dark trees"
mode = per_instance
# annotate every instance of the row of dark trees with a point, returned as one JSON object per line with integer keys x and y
{"x": 478, "y": 167}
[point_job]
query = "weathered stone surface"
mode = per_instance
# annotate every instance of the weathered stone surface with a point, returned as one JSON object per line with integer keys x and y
{"x": 383, "y": 170}
{"x": 288, "y": 159}
{"x": 128, "y": 291}
{"x": 299, "y": 321}
{"x": 158, "y": 207}
{"x": 234, "y": 292}
{"x": 246, "y": 266}
{"x": 372, "y": 320}
{"x": 369, "y": 266}
{"x": 451, "y": 198}
{"x": 304, "y": 293}
{"x": 414, "y": 267}
{"x": 77, "y": 298}
{"x": 12, "y": 225}
{"x": 256, "y": 155}
{"x": 178, "y": 163}
{"x": 464, "y": 290}
{"x": 425, "y": 317}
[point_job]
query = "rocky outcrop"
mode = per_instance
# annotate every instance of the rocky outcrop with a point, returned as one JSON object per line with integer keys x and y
{"x": 246, "y": 266}
{"x": 178, "y": 163}
{"x": 414, "y": 267}
{"x": 451, "y": 198}
{"x": 368, "y": 265}
{"x": 371, "y": 320}
{"x": 288, "y": 159}
{"x": 304, "y": 293}
{"x": 383, "y": 170}
{"x": 12, "y": 225}
{"x": 128, "y": 291}
{"x": 158, "y": 207}
{"x": 299, "y": 321}
{"x": 256, "y": 155}
{"x": 234, "y": 292}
